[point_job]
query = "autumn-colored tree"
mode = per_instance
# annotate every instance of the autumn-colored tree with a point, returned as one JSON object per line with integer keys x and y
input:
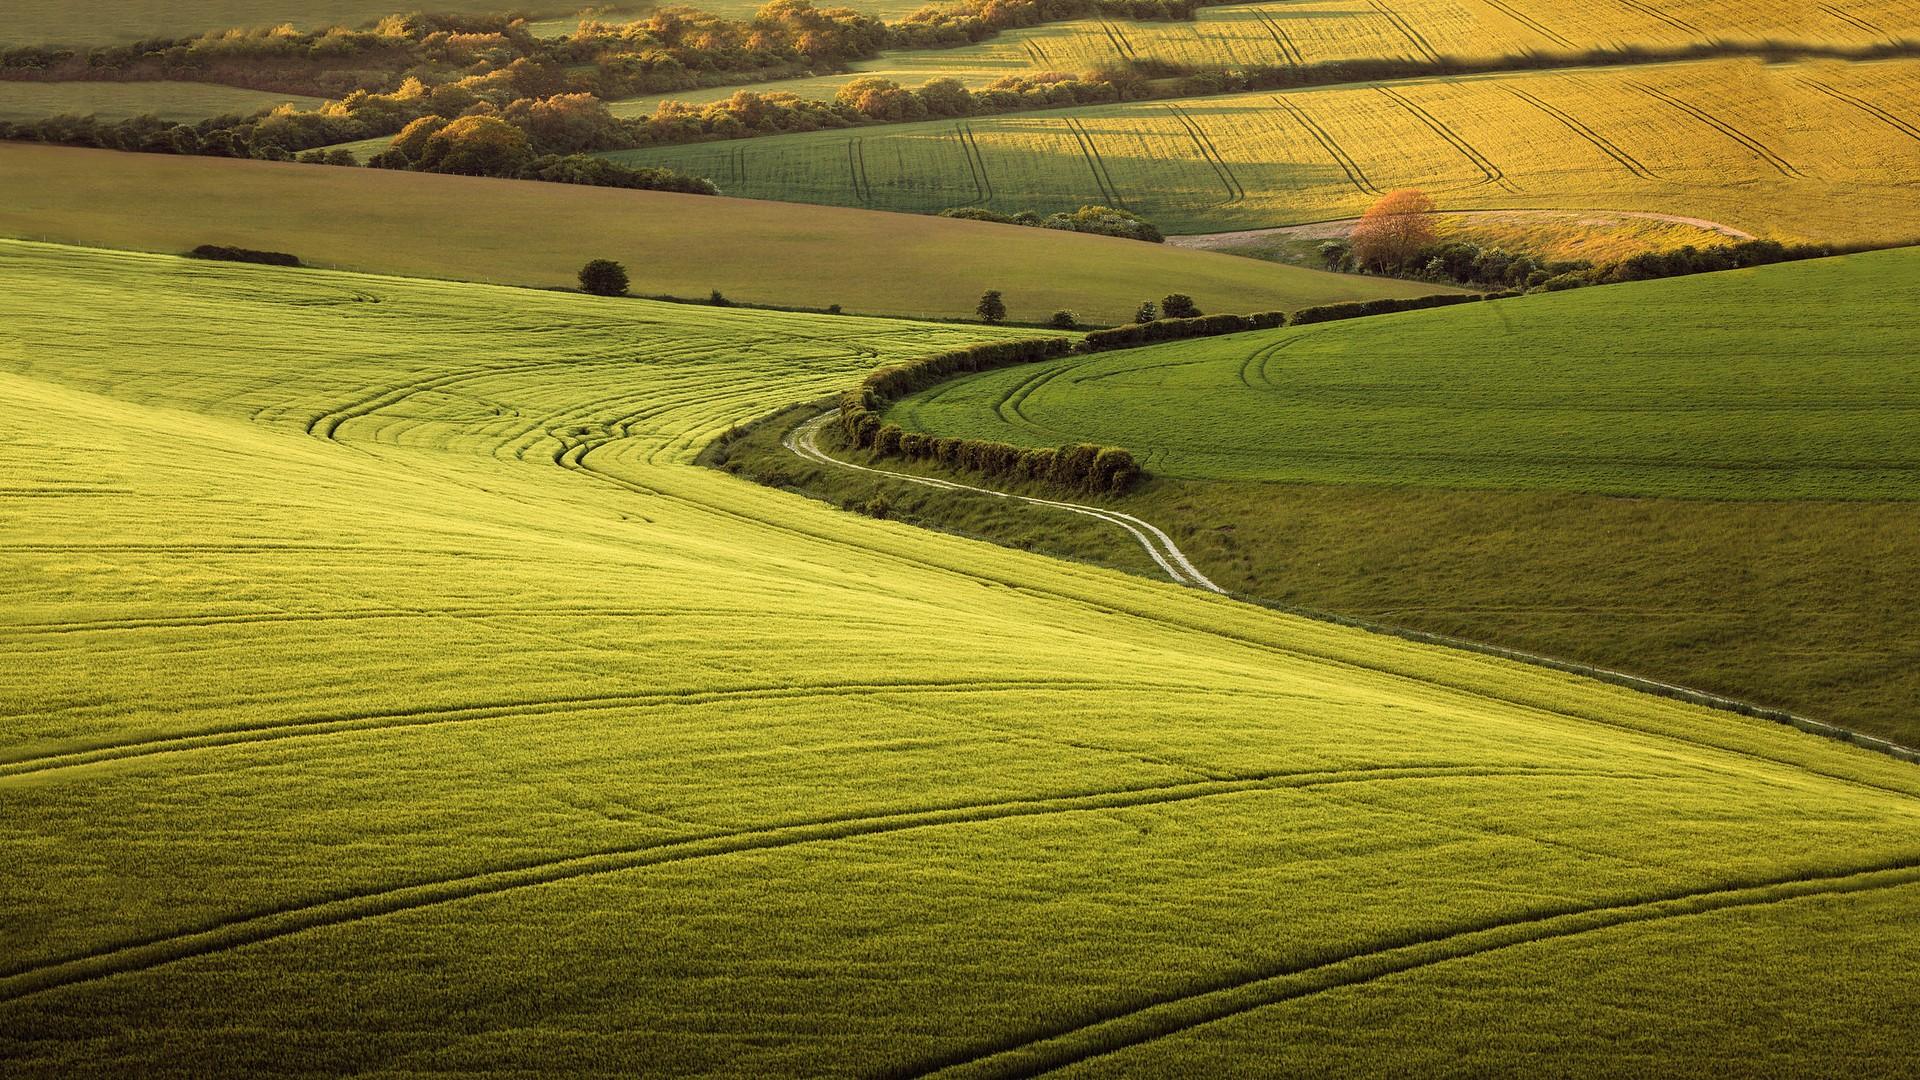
{"x": 476, "y": 146}
{"x": 880, "y": 99}
{"x": 1394, "y": 230}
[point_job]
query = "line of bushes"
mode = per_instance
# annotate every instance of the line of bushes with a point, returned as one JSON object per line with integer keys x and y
{"x": 224, "y": 253}
{"x": 1362, "y": 308}
{"x": 1146, "y": 333}
{"x": 1082, "y": 467}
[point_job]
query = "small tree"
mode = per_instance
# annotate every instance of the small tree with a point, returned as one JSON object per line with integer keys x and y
{"x": 991, "y": 308}
{"x": 718, "y": 299}
{"x": 1179, "y": 306}
{"x": 1394, "y": 230}
{"x": 604, "y": 277}
{"x": 1145, "y": 313}
{"x": 1064, "y": 320}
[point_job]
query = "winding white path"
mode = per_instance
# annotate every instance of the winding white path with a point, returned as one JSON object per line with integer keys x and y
{"x": 804, "y": 441}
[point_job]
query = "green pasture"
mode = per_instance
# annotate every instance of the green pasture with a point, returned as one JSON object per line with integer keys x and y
{"x": 387, "y": 692}
{"x": 1784, "y": 382}
{"x": 183, "y": 101}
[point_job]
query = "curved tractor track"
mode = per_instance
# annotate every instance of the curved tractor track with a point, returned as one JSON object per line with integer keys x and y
{"x": 804, "y": 441}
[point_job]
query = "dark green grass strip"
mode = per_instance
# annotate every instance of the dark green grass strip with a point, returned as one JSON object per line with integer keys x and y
{"x": 265, "y": 926}
{"x": 1172, "y": 1014}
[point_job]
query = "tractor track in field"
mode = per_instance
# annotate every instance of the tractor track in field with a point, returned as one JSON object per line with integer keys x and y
{"x": 1334, "y": 150}
{"x": 1179, "y": 1011}
{"x": 1904, "y": 127}
{"x": 1494, "y": 174}
{"x": 1095, "y": 163}
{"x": 1579, "y": 128}
{"x": 146, "y": 954}
{"x": 1530, "y": 23}
{"x": 1413, "y": 36}
{"x": 1210, "y": 153}
{"x": 311, "y": 727}
{"x": 1853, "y": 20}
{"x": 1759, "y": 149}
{"x": 1288, "y": 50}
{"x": 803, "y": 441}
{"x": 1653, "y": 12}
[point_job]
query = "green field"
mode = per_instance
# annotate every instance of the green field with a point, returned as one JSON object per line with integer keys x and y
{"x": 1706, "y": 480}
{"x": 677, "y": 245}
{"x": 388, "y": 693}
{"x": 120, "y": 100}
{"x": 86, "y": 22}
{"x": 1803, "y": 150}
{"x": 1705, "y": 387}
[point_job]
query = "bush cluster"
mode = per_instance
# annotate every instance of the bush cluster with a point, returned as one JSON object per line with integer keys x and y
{"x": 1098, "y": 220}
{"x": 247, "y": 255}
{"x": 1361, "y": 308}
{"x": 1080, "y": 467}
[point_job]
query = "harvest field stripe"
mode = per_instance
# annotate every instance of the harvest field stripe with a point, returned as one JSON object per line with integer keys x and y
{"x": 1173, "y": 1014}
{"x": 254, "y": 929}
{"x": 1784, "y": 167}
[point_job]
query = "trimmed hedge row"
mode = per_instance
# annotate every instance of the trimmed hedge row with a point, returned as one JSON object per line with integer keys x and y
{"x": 1122, "y": 337}
{"x": 1360, "y": 308}
{"x": 1080, "y": 467}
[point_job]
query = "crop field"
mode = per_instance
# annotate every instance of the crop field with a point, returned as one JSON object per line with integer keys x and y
{"x": 119, "y": 100}
{"x": 387, "y": 692}
{"x": 87, "y": 22}
{"x": 1308, "y": 32}
{"x": 1595, "y": 236}
{"x": 1649, "y": 388}
{"x": 1796, "y": 150}
{"x": 523, "y": 233}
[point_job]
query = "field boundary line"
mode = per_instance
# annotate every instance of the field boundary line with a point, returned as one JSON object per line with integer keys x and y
{"x": 1175, "y": 1013}
{"x": 803, "y": 441}
{"x": 1347, "y": 165}
{"x": 1782, "y": 165}
{"x": 1494, "y": 174}
{"x": 257, "y": 927}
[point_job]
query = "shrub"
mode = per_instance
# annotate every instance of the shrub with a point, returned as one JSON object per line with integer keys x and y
{"x": 247, "y": 255}
{"x": 1178, "y": 306}
{"x": 1145, "y": 313}
{"x": 1063, "y": 320}
{"x": 718, "y": 300}
{"x": 604, "y": 277}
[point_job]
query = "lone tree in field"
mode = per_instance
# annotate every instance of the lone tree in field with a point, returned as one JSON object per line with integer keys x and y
{"x": 1394, "y": 230}
{"x": 991, "y": 308}
{"x": 604, "y": 277}
{"x": 1179, "y": 306}
{"x": 1064, "y": 320}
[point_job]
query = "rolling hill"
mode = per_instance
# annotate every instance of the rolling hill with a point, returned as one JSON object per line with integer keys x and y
{"x": 392, "y": 695}
{"x": 525, "y": 233}
{"x": 1705, "y": 480}
{"x": 1796, "y": 151}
